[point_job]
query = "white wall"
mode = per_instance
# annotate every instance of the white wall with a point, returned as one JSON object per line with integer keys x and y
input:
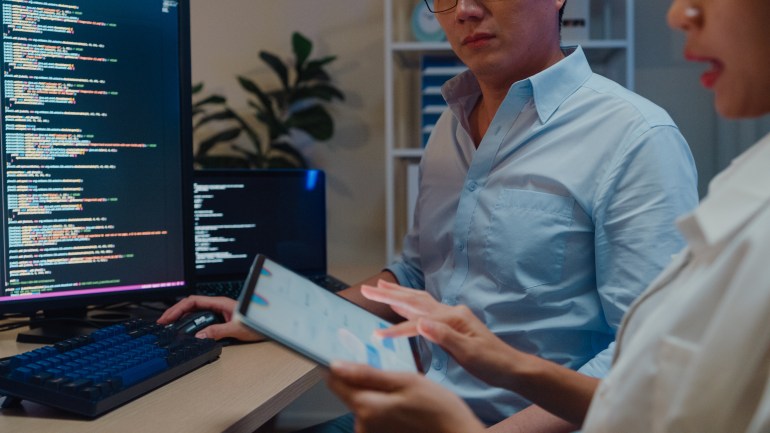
{"x": 667, "y": 79}
{"x": 673, "y": 83}
{"x": 226, "y": 38}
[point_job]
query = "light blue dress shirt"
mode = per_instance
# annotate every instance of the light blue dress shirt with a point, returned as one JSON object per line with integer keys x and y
{"x": 554, "y": 225}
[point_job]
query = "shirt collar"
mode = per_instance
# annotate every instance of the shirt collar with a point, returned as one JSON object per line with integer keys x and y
{"x": 550, "y": 87}
{"x": 735, "y": 196}
{"x": 554, "y": 85}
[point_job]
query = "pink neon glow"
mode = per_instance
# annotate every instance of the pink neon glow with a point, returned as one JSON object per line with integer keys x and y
{"x": 92, "y": 291}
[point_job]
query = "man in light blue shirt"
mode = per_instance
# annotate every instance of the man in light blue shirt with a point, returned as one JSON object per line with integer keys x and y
{"x": 550, "y": 225}
{"x": 553, "y": 225}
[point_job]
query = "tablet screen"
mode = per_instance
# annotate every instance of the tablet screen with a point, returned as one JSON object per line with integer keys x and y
{"x": 295, "y": 312}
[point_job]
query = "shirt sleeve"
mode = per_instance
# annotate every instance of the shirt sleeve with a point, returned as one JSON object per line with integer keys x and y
{"x": 653, "y": 181}
{"x": 407, "y": 266}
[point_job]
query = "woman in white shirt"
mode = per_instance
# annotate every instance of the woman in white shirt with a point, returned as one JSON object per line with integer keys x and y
{"x": 693, "y": 354}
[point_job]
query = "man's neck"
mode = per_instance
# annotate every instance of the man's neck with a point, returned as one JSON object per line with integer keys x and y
{"x": 480, "y": 119}
{"x": 494, "y": 90}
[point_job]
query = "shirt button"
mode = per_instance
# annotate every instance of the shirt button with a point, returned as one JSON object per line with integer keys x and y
{"x": 437, "y": 364}
{"x": 472, "y": 186}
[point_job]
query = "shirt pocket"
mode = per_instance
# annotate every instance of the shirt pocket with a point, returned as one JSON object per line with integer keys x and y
{"x": 527, "y": 238}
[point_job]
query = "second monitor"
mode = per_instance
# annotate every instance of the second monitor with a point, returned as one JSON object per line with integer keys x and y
{"x": 239, "y": 213}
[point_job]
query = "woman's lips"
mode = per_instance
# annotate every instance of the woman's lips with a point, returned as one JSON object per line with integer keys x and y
{"x": 709, "y": 78}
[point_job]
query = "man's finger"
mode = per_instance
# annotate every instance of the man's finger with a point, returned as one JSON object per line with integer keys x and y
{"x": 176, "y": 311}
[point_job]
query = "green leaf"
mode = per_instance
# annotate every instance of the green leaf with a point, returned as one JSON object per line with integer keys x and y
{"x": 250, "y": 87}
{"x": 326, "y": 92}
{"x": 291, "y": 151}
{"x": 246, "y": 154}
{"x": 221, "y": 115}
{"x": 279, "y": 99}
{"x": 323, "y": 61}
{"x": 224, "y": 136}
{"x": 267, "y": 104}
{"x": 302, "y": 47}
{"x": 314, "y": 120}
{"x": 197, "y": 88}
{"x": 283, "y": 155}
{"x": 314, "y": 70}
{"x": 277, "y": 65}
{"x": 213, "y": 99}
{"x": 254, "y": 160}
{"x": 253, "y": 137}
{"x": 275, "y": 127}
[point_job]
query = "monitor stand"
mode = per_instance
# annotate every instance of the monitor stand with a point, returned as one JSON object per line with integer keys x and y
{"x": 53, "y": 326}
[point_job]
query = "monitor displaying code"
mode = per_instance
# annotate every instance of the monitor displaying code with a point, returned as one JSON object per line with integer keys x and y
{"x": 91, "y": 151}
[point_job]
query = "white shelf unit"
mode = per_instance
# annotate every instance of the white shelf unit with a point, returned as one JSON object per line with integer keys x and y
{"x": 609, "y": 48}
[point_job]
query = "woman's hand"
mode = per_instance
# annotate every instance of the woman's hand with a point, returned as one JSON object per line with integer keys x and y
{"x": 455, "y": 329}
{"x": 220, "y": 305}
{"x": 387, "y": 402}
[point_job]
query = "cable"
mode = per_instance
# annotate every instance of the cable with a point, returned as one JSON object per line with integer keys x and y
{"x": 13, "y": 325}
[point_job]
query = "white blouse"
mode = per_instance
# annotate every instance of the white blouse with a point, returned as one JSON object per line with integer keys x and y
{"x": 693, "y": 352}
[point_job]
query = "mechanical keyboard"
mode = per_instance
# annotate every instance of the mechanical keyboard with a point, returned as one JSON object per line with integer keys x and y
{"x": 93, "y": 374}
{"x": 232, "y": 289}
{"x": 329, "y": 282}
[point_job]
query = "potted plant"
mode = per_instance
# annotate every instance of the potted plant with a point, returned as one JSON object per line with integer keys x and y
{"x": 296, "y": 105}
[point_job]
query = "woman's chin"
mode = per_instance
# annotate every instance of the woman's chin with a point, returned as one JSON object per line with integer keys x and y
{"x": 733, "y": 107}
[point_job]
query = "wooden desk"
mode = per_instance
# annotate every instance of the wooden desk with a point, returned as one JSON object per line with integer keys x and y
{"x": 239, "y": 392}
{"x": 243, "y": 389}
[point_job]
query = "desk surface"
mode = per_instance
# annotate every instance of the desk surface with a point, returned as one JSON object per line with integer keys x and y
{"x": 243, "y": 389}
{"x": 239, "y": 392}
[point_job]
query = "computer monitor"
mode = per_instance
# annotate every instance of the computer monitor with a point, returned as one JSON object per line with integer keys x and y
{"x": 239, "y": 213}
{"x": 96, "y": 153}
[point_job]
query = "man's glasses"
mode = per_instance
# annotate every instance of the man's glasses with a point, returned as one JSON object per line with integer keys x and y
{"x": 438, "y": 6}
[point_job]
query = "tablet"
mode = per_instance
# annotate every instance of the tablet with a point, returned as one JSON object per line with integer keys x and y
{"x": 322, "y": 326}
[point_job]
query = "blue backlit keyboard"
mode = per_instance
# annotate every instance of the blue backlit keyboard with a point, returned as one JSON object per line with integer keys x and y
{"x": 93, "y": 374}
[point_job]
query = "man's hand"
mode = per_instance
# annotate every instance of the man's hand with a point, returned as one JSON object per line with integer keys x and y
{"x": 386, "y": 402}
{"x": 221, "y": 305}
